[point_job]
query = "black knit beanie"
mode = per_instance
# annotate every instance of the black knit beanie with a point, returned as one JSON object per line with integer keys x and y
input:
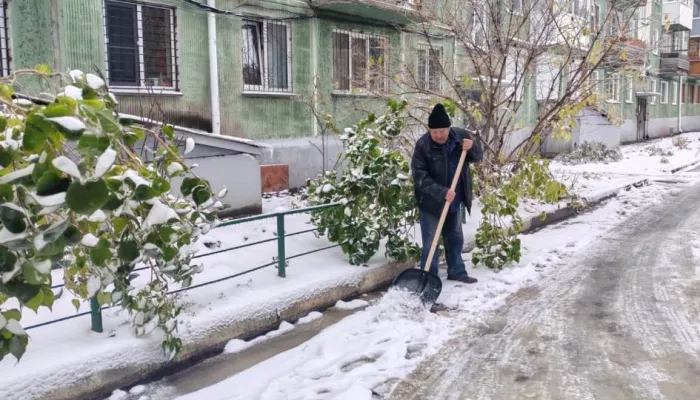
{"x": 439, "y": 118}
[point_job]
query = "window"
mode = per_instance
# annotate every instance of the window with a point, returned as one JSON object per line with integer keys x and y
{"x": 655, "y": 41}
{"x": 578, "y": 7}
{"x": 267, "y": 58}
{"x": 664, "y": 92}
{"x": 141, "y": 45}
{"x": 594, "y": 78}
{"x": 359, "y": 62}
{"x": 696, "y": 8}
{"x": 652, "y": 88}
{"x": 4, "y": 41}
{"x": 697, "y": 93}
{"x": 478, "y": 31}
{"x": 690, "y": 93}
{"x": 429, "y": 68}
{"x": 674, "y": 93}
{"x": 595, "y": 17}
{"x": 630, "y": 85}
{"x": 613, "y": 87}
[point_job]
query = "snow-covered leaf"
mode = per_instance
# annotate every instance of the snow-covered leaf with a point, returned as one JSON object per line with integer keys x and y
{"x": 159, "y": 214}
{"x": 89, "y": 240}
{"x": 14, "y": 175}
{"x": 97, "y": 216}
{"x": 74, "y": 92}
{"x": 3, "y": 321}
{"x": 43, "y": 267}
{"x": 175, "y": 168}
{"x": 67, "y": 166}
{"x": 189, "y": 145}
{"x": 94, "y": 284}
{"x": 72, "y": 124}
{"x": 105, "y": 162}
{"x": 76, "y": 75}
{"x": 15, "y": 328}
{"x": 95, "y": 81}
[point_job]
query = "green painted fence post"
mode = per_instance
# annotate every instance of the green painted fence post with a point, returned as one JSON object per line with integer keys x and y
{"x": 281, "y": 258}
{"x": 96, "y": 315}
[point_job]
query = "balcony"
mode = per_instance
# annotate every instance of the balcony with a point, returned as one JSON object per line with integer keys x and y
{"x": 398, "y": 12}
{"x": 626, "y": 51}
{"x": 674, "y": 63}
{"x": 680, "y": 13}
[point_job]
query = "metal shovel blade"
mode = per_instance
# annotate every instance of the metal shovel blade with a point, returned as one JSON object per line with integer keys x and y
{"x": 424, "y": 284}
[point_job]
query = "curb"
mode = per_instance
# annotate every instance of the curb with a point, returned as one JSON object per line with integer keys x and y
{"x": 682, "y": 167}
{"x": 568, "y": 211}
{"x": 101, "y": 384}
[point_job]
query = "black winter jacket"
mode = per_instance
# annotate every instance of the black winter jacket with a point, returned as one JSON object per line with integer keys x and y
{"x": 431, "y": 172}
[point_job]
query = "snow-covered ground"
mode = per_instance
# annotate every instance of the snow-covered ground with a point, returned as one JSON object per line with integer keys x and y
{"x": 369, "y": 350}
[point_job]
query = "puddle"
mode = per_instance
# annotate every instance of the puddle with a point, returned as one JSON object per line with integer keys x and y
{"x": 223, "y": 366}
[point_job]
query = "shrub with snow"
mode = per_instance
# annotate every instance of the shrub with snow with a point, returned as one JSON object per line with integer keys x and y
{"x": 99, "y": 206}
{"x": 591, "y": 152}
{"x": 375, "y": 190}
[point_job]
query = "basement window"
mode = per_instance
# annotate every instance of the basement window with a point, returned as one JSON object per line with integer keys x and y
{"x": 140, "y": 46}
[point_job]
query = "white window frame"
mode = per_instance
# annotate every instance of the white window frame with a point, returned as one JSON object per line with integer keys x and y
{"x": 366, "y": 36}
{"x": 629, "y": 91}
{"x": 142, "y": 87}
{"x": 655, "y": 41}
{"x": 265, "y": 87}
{"x": 653, "y": 90}
{"x": 664, "y": 92}
{"x": 478, "y": 22}
{"x": 614, "y": 82}
{"x": 519, "y": 4}
{"x": 674, "y": 98}
{"x": 595, "y": 78}
{"x": 5, "y": 60}
{"x": 426, "y": 84}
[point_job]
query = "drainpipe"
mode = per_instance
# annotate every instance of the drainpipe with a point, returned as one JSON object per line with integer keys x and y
{"x": 314, "y": 74}
{"x": 680, "y": 103}
{"x": 213, "y": 72}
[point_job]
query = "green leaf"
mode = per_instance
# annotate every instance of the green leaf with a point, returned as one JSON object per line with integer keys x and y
{"x": 100, "y": 253}
{"x": 76, "y": 304}
{"x": 49, "y": 297}
{"x": 188, "y": 185}
{"x": 169, "y": 132}
{"x": 13, "y": 219}
{"x": 93, "y": 145}
{"x": 33, "y": 277}
{"x": 57, "y": 110}
{"x": 161, "y": 186}
{"x": 36, "y": 301}
{"x": 6, "y": 91}
{"x": 104, "y": 298}
{"x": 18, "y": 345}
{"x": 5, "y": 157}
{"x": 109, "y": 124}
{"x": 200, "y": 195}
{"x": 113, "y": 203}
{"x": 128, "y": 251}
{"x": 52, "y": 183}
{"x": 144, "y": 192}
{"x": 3, "y": 123}
{"x": 72, "y": 235}
{"x": 43, "y": 69}
{"x": 54, "y": 248}
{"x": 120, "y": 223}
{"x": 6, "y": 192}
{"x": 8, "y": 260}
{"x": 88, "y": 197}
{"x": 37, "y": 130}
{"x": 55, "y": 231}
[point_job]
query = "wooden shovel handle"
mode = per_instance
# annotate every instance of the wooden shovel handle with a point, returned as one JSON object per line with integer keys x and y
{"x": 441, "y": 222}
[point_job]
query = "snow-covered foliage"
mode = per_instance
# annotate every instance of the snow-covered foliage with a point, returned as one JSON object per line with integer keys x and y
{"x": 99, "y": 206}
{"x": 375, "y": 189}
{"x": 591, "y": 152}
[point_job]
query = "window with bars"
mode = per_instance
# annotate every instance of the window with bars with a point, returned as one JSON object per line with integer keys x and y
{"x": 360, "y": 62}
{"x": 652, "y": 89}
{"x": 516, "y": 6}
{"x": 141, "y": 45}
{"x": 664, "y": 92}
{"x": 5, "y": 69}
{"x": 267, "y": 56}
{"x": 630, "y": 89}
{"x": 613, "y": 88}
{"x": 429, "y": 68}
{"x": 478, "y": 29}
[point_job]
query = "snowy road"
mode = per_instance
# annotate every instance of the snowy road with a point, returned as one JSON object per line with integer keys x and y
{"x": 621, "y": 322}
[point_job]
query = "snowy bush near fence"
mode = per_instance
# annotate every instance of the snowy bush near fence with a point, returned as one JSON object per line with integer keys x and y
{"x": 591, "y": 152}
{"x": 99, "y": 204}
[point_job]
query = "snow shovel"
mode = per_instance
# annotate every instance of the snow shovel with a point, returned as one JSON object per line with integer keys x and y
{"x": 425, "y": 285}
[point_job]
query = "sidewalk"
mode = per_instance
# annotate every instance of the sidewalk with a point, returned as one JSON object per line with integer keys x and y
{"x": 68, "y": 361}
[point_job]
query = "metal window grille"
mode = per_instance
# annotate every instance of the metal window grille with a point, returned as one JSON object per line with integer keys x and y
{"x": 5, "y": 69}
{"x": 429, "y": 72}
{"x": 360, "y": 62}
{"x": 141, "y": 45}
{"x": 267, "y": 56}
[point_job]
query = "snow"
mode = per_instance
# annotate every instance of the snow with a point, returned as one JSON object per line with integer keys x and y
{"x": 189, "y": 145}
{"x": 310, "y": 317}
{"x": 76, "y": 75}
{"x": 50, "y": 201}
{"x": 97, "y": 216}
{"x": 351, "y": 305}
{"x": 71, "y": 123}
{"x": 159, "y": 214}
{"x": 66, "y": 165}
{"x": 368, "y": 351}
{"x": 20, "y": 173}
{"x": 14, "y": 327}
{"x": 105, "y": 162}
{"x": 95, "y": 81}
{"x": 137, "y": 390}
{"x": 74, "y": 92}
{"x": 174, "y": 168}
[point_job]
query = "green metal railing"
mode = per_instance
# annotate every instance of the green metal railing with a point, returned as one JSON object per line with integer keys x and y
{"x": 280, "y": 261}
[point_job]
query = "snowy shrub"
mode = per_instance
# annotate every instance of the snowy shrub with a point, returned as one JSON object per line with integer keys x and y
{"x": 497, "y": 242}
{"x": 591, "y": 152}
{"x": 655, "y": 150}
{"x": 375, "y": 188}
{"x": 71, "y": 186}
{"x": 681, "y": 142}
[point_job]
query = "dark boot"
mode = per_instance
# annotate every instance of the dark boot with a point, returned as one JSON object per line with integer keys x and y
{"x": 465, "y": 279}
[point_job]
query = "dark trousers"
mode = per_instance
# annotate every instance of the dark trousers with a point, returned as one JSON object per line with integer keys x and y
{"x": 453, "y": 240}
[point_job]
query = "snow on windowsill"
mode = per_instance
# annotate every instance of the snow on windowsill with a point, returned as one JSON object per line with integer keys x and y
{"x": 345, "y": 93}
{"x": 263, "y": 93}
{"x": 153, "y": 91}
